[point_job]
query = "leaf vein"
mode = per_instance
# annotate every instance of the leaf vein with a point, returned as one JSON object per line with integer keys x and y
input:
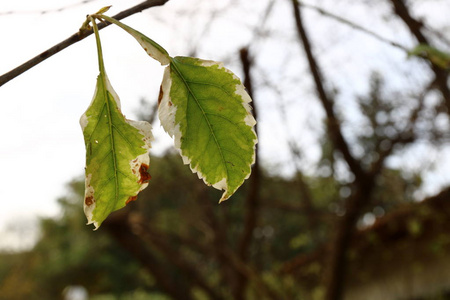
{"x": 220, "y": 87}
{"x": 204, "y": 115}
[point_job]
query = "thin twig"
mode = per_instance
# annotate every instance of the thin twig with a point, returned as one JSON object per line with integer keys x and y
{"x": 76, "y": 37}
{"x": 354, "y": 26}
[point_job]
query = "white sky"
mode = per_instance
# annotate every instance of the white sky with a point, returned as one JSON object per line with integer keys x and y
{"x": 42, "y": 146}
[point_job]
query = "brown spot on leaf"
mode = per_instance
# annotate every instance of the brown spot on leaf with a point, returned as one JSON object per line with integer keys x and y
{"x": 89, "y": 200}
{"x": 145, "y": 176}
{"x": 160, "y": 96}
{"x": 132, "y": 198}
{"x": 134, "y": 165}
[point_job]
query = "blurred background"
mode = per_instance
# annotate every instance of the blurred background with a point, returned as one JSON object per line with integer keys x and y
{"x": 349, "y": 195}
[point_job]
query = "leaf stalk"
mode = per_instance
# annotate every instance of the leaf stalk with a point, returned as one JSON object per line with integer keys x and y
{"x": 99, "y": 45}
{"x": 129, "y": 30}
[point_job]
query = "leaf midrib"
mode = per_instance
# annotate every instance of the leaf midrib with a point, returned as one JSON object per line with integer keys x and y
{"x": 173, "y": 63}
{"x": 112, "y": 140}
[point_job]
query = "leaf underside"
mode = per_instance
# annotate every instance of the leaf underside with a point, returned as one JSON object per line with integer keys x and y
{"x": 116, "y": 154}
{"x": 206, "y": 109}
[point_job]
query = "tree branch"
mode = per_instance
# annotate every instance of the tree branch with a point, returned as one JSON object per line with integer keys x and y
{"x": 333, "y": 124}
{"x": 251, "y": 204}
{"x": 74, "y": 38}
{"x": 362, "y": 187}
{"x": 441, "y": 76}
{"x": 251, "y": 201}
{"x": 354, "y": 26}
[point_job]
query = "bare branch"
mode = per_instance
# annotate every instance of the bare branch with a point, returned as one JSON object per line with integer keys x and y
{"x": 333, "y": 124}
{"x": 76, "y": 37}
{"x": 416, "y": 28}
{"x": 251, "y": 201}
{"x": 354, "y": 26}
{"x": 364, "y": 182}
{"x": 252, "y": 196}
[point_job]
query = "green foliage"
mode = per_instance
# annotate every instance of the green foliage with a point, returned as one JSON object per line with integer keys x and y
{"x": 202, "y": 105}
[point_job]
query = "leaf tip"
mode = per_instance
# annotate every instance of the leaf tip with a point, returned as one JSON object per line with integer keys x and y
{"x": 224, "y": 197}
{"x": 103, "y": 10}
{"x": 222, "y": 185}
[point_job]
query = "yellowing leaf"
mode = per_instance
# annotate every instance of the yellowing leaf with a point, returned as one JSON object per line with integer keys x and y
{"x": 206, "y": 109}
{"x": 116, "y": 152}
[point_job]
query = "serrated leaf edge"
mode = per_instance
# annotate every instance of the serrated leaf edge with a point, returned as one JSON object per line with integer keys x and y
{"x": 167, "y": 113}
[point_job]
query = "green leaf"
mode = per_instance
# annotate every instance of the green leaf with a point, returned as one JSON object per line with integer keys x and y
{"x": 435, "y": 56}
{"x": 116, "y": 152}
{"x": 206, "y": 109}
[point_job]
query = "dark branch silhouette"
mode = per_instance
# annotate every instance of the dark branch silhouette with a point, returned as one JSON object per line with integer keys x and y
{"x": 333, "y": 124}
{"x": 251, "y": 201}
{"x": 364, "y": 179}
